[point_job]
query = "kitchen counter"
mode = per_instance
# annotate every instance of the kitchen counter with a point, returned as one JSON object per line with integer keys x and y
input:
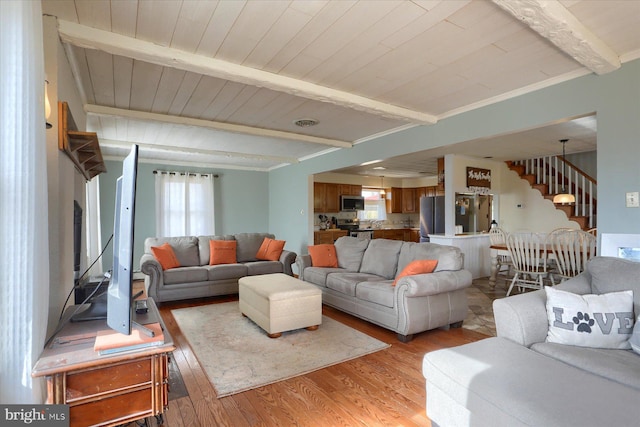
{"x": 459, "y": 236}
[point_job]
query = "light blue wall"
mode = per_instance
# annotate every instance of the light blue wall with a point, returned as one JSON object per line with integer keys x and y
{"x": 587, "y": 162}
{"x": 615, "y": 97}
{"x": 241, "y": 203}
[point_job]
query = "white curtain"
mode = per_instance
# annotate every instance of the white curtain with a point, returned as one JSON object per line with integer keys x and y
{"x": 94, "y": 239}
{"x": 184, "y": 204}
{"x": 24, "y": 252}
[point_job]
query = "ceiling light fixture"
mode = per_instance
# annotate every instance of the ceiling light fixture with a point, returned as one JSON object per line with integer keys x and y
{"x": 305, "y": 123}
{"x": 382, "y": 192}
{"x": 563, "y": 197}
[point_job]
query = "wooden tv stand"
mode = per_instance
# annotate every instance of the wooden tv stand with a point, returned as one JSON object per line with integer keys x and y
{"x": 104, "y": 390}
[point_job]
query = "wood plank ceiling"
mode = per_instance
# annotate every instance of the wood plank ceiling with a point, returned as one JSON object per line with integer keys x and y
{"x": 220, "y": 83}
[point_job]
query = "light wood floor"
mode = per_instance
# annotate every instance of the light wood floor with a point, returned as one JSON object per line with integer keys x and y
{"x": 381, "y": 389}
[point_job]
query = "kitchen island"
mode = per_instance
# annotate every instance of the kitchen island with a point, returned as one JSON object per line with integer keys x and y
{"x": 474, "y": 246}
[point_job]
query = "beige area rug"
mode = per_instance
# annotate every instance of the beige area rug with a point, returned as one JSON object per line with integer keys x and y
{"x": 237, "y": 355}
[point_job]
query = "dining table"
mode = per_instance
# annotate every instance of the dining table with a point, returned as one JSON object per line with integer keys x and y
{"x": 500, "y": 249}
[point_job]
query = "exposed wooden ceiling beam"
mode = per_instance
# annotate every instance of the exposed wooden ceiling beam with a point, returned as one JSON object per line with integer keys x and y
{"x": 554, "y": 22}
{"x": 117, "y": 44}
{"x": 109, "y": 143}
{"x": 226, "y": 127}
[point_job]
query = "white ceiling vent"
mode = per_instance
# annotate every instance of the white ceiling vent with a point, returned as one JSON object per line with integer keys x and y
{"x": 305, "y": 123}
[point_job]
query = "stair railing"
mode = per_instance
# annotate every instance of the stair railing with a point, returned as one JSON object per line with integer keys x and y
{"x": 548, "y": 170}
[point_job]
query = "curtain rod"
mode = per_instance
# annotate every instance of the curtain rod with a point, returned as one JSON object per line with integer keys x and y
{"x": 184, "y": 173}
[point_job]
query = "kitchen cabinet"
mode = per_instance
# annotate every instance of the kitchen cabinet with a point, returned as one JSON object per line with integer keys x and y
{"x": 394, "y": 203}
{"x": 393, "y": 234}
{"x": 420, "y": 192}
{"x": 328, "y": 236}
{"x": 350, "y": 190}
{"x": 409, "y": 200}
{"x": 325, "y": 197}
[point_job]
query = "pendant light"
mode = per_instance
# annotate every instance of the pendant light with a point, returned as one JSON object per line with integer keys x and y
{"x": 564, "y": 197}
{"x": 382, "y": 192}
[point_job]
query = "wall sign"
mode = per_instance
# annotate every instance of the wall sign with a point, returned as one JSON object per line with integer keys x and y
{"x": 477, "y": 177}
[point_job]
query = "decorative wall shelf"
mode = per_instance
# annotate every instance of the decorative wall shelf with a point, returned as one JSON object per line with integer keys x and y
{"x": 82, "y": 148}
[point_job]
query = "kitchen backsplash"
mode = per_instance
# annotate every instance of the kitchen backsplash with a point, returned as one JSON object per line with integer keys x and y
{"x": 393, "y": 220}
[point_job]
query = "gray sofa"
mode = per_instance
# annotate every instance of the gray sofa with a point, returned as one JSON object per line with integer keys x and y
{"x": 362, "y": 284}
{"x": 195, "y": 278}
{"x": 519, "y": 379}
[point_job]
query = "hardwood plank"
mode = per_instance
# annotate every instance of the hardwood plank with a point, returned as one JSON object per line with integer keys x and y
{"x": 236, "y": 413}
{"x": 382, "y": 388}
{"x": 172, "y": 414}
{"x": 211, "y": 412}
{"x": 188, "y": 413}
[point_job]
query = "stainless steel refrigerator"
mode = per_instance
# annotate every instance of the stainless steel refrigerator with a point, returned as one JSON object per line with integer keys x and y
{"x": 431, "y": 216}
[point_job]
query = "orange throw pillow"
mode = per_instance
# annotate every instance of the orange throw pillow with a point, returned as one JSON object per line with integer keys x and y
{"x": 420, "y": 266}
{"x": 270, "y": 250}
{"x": 165, "y": 256}
{"x": 222, "y": 252}
{"x": 323, "y": 255}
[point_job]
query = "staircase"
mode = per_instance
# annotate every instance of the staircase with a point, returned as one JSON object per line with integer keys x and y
{"x": 545, "y": 175}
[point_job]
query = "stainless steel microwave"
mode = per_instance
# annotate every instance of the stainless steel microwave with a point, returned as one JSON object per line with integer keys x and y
{"x": 351, "y": 203}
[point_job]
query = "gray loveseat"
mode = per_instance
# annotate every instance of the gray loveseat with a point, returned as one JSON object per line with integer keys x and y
{"x": 519, "y": 379}
{"x": 195, "y": 278}
{"x": 362, "y": 284}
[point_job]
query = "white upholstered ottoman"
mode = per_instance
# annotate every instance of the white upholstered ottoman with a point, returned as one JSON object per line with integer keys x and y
{"x": 278, "y": 302}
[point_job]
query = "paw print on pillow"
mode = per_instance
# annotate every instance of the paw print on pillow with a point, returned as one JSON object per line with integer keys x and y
{"x": 584, "y": 322}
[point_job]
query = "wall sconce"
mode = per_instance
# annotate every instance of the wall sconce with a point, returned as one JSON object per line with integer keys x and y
{"x": 47, "y": 105}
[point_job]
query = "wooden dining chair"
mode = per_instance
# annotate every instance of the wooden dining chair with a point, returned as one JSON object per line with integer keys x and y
{"x": 551, "y": 262}
{"x": 571, "y": 252}
{"x": 497, "y": 236}
{"x": 528, "y": 255}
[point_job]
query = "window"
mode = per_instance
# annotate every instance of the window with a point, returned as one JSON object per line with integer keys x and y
{"x": 184, "y": 204}
{"x": 374, "y": 206}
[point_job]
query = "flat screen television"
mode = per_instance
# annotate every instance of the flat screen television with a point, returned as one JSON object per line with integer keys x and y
{"x": 117, "y": 304}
